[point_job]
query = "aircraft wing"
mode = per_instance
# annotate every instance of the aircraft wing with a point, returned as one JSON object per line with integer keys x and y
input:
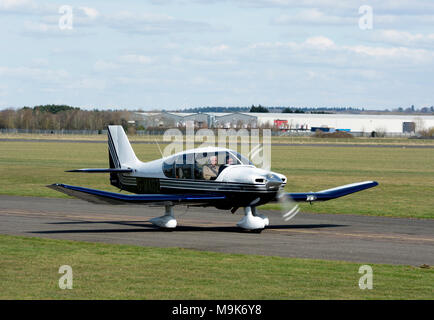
{"x": 333, "y": 193}
{"x": 105, "y": 197}
{"x": 95, "y": 170}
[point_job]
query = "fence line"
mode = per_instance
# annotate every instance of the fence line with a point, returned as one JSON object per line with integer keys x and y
{"x": 152, "y": 132}
{"x": 56, "y": 132}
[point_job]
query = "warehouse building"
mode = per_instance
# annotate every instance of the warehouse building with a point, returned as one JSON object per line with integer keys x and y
{"x": 234, "y": 120}
{"x": 200, "y": 120}
{"x": 300, "y": 122}
{"x": 172, "y": 119}
{"x": 356, "y": 123}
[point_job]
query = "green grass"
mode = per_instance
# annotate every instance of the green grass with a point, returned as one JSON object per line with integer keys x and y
{"x": 275, "y": 139}
{"x": 406, "y": 176}
{"x": 29, "y": 270}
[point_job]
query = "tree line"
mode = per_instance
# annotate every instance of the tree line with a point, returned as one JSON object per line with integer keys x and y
{"x": 58, "y": 117}
{"x": 317, "y": 110}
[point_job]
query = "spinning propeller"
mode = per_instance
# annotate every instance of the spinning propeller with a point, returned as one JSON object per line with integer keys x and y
{"x": 288, "y": 207}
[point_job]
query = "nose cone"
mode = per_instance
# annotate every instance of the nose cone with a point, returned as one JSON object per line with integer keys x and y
{"x": 273, "y": 182}
{"x": 252, "y": 175}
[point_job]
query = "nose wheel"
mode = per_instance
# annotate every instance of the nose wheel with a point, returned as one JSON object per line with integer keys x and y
{"x": 252, "y": 220}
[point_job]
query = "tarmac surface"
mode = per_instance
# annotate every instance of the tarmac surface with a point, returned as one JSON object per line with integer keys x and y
{"x": 320, "y": 236}
{"x": 343, "y": 145}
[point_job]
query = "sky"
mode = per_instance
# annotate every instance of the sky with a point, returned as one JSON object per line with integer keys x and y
{"x": 174, "y": 54}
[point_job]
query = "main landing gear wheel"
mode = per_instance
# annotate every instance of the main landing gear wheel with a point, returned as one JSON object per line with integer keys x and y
{"x": 167, "y": 222}
{"x": 253, "y": 221}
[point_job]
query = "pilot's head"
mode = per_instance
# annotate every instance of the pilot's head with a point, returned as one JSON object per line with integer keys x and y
{"x": 213, "y": 160}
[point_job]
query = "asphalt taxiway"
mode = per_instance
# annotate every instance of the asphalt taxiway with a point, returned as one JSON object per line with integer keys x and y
{"x": 353, "y": 238}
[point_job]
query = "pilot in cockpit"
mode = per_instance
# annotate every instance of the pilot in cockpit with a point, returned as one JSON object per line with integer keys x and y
{"x": 211, "y": 170}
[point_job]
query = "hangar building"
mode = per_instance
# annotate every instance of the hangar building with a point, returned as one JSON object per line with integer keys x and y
{"x": 355, "y": 123}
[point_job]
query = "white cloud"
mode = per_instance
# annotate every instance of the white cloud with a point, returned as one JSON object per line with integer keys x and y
{"x": 136, "y": 59}
{"x": 26, "y": 7}
{"x": 397, "y": 53}
{"x": 323, "y": 51}
{"x": 16, "y": 5}
{"x": 153, "y": 24}
{"x": 319, "y": 42}
{"x": 396, "y": 7}
{"x": 102, "y": 65}
{"x": 313, "y": 17}
{"x": 34, "y": 73}
{"x": 403, "y": 21}
{"x": 40, "y": 62}
{"x": 90, "y": 12}
{"x": 316, "y": 17}
{"x": 87, "y": 83}
{"x": 42, "y": 29}
{"x": 404, "y": 38}
{"x": 211, "y": 50}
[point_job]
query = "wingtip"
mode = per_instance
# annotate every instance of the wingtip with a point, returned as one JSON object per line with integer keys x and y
{"x": 53, "y": 185}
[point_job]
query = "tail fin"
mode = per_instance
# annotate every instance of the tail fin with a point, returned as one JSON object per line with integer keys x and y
{"x": 121, "y": 154}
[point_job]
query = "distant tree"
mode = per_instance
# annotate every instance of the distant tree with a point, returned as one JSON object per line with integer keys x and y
{"x": 70, "y": 118}
{"x": 53, "y": 108}
{"x": 259, "y": 108}
{"x": 287, "y": 110}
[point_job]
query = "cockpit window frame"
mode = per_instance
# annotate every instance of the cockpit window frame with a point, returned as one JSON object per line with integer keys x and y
{"x": 172, "y": 164}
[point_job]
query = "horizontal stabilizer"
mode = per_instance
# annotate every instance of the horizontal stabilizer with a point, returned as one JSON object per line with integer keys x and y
{"x": 334, "y": 193}
{"x": 105, "y": 197}
{"x": 94, "y": 170}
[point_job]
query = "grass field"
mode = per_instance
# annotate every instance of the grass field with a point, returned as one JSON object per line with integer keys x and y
{"x": 29, "y": 266}
{"x": 406, "y": 176}
{"x": 275, "y": 139}
{"x": 29, "y": 270}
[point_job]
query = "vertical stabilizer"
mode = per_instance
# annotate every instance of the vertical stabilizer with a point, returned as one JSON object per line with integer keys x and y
{"x": 121, "y": 153}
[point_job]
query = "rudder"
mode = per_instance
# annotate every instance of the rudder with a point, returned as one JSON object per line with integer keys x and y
{"x": 121, "y": 154}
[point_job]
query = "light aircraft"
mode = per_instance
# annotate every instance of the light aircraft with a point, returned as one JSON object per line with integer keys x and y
{"x": 205, "y": 177}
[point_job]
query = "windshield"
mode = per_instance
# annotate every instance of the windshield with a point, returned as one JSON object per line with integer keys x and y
{"x": 242, "y": 158}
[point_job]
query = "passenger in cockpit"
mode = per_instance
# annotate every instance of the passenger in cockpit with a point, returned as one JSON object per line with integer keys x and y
{"x": 229, "y": 161}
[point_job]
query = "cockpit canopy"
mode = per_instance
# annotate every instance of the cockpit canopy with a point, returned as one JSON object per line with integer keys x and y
{"x": 202, "y": 165}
